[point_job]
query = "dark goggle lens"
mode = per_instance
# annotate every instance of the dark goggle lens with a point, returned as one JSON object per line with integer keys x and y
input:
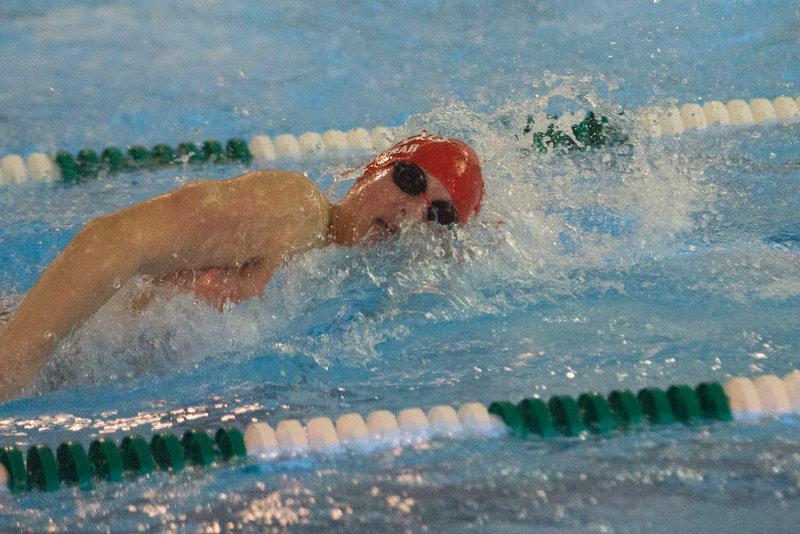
{"x": 442, "y": 212}
{"x": 410, "y": 178}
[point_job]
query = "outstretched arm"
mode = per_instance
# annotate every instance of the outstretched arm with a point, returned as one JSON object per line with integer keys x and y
{"x": 72, "y": 288}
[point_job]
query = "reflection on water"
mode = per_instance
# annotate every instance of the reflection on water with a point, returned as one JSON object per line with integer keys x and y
{"x": 27, "y": 430}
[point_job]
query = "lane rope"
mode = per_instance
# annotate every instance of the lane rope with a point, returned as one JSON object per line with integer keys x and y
{"x": 570, "y": 130}
{"x": 563, "y": 415}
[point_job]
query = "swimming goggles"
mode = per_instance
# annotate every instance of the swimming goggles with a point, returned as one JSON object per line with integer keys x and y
{"x": 412, "y": 180}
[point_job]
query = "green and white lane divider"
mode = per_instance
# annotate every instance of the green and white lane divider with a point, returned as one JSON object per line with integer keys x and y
{"x": 88, "y": 164}
{"x": 563, "y": 415}
{"x": 570, "y": 131}
{"x": 586, "y": 131}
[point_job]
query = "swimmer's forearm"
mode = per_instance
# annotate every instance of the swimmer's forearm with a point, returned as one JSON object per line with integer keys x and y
{"x": 72, "y": 289}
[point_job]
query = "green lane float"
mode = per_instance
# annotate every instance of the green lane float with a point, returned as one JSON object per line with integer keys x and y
{"x": 139, "y": 156}
{"x": 625, "y": 408}
{"x": 590, "y": 132}
{"x": 684, "y": 404}
{"x": 655, "y": 405}
{"x": 198, "y": 448}
{"x": 16, "y": 474}
{"x": 566, "y": 415}
{"x": 114, "y": 160}
{"x": 536, "y": 416}
{"x": 88, "y": 163}
{"x": 189, "y": 153}
{"x": 137, "y": 458}
{"x": 510, "y": 415}
{"x": 42, "y": 468}
{"x": 236, "y": 150}
{"x": 212, "y": 151}
{"x": 230, "y": 443}
{"x": 106, "y": 460}
{"x": 713, "y": 401}
{"x": 596, "y": 413}
{"x": 168, "y": 452}
{"x": 73, "y": 465}
{"x": 163, "y": 155}
{"x": 67, "y": 165}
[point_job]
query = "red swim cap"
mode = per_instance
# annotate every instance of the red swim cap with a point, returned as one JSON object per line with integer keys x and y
{"x": 451, "y": 161}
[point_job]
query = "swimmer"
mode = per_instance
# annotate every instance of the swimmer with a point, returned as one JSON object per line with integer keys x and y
{"x": 223, "y": 240}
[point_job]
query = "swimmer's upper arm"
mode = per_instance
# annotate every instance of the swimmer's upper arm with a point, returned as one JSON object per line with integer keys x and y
{"x": 152, "y": 229}
{"x": 208, "y": 222}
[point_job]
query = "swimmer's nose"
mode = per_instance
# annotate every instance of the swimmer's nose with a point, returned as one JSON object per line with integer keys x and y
{"x": 421, "y": 205}
{"x": 413, "y": 208}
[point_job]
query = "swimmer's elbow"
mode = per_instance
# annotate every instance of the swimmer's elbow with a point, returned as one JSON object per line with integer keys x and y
{"x": 110, "y": 242}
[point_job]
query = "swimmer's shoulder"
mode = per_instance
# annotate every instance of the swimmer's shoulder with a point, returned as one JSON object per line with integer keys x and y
{"x": 289, "y": 196}
{"x": 269, "y": 180}
{"x": 269, "y": 186}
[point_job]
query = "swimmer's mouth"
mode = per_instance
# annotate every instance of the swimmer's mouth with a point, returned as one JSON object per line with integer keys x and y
{"x": 379, "y": 230}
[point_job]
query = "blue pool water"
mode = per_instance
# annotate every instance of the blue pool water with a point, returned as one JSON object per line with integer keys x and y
{"x": 666, "y": 261}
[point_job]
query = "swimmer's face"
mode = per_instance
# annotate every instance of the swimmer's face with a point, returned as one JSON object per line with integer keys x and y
{"x": 376, "y": 206}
